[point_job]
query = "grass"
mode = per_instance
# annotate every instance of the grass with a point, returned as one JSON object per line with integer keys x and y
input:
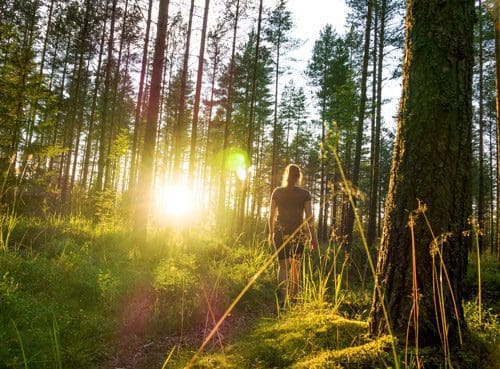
{"x": 72, "y": 294}
{"x": 76, "y": 291}
{"x": 306, "y": 337}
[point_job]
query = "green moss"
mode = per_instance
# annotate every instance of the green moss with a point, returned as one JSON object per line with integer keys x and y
{"x": 218, "y": 361}
{"x": 295, "y": 337}
{"x": 370, "y": 354}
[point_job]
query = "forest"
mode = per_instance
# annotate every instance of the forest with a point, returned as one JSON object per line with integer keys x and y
{"x": 141, "y": 143}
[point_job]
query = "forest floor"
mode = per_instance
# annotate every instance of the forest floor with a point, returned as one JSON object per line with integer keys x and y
{"x": 304, "y": 337}
{"x": 77, "y": 295}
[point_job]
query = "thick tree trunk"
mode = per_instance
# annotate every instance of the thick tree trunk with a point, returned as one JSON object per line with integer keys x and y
{"x": 432, "y": 166}
{"x": 144, "y": 193}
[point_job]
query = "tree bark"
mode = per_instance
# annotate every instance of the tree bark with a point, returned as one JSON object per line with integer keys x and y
{"x": 480, "y": 195}
{"x": 373, "y": 216}
{"x": 90, "y": 133}
{"x": 138, "y": 106}
{"x": 497, "y": 84}
{"x": 145, "y": 190}
{"x": 229, "y": 113}
{"x": 75, "y": 105}
{"x": 361, "y": 119}
{"x": 246, "y": 182}
{"x": 104, "y": 114}
{"x": 179, "y": 131}
{"x": 431, "y": 166}
{"x": 197, "y": 95}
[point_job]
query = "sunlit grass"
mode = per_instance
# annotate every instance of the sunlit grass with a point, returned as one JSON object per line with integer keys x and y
{"x": 192, "y": 275}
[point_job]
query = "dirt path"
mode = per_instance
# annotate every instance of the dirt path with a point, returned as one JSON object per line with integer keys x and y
{"x": 141, "y": 352}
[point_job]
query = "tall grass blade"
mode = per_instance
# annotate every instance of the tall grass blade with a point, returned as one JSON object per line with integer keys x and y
{"x": 56, "y": 344}
{"x": 368, "y": 254}
{"x": 25, "y": 361}
{"x": 250, "y": 283}
{"x": 168, "y": 357}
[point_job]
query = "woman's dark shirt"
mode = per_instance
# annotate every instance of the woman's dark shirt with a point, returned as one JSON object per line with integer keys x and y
{"x": 290, "y": 202}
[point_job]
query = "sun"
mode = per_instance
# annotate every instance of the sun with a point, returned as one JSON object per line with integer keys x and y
{"x": 174, "y": 201}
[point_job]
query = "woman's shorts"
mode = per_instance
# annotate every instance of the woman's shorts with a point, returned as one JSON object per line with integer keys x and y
{"x": 295, "y": 246}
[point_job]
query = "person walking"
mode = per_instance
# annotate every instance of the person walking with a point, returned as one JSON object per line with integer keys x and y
{"x": 289, "y": 231}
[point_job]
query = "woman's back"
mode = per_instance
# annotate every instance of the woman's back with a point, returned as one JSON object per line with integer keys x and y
{"x": 290, "y": 202}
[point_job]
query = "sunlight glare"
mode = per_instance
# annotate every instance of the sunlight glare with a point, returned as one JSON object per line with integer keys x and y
{"x": 174, "y": 200}
{"x": 242, "y": 173}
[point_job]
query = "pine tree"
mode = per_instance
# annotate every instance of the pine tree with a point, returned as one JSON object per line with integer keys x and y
{"x": 431, "y": 172}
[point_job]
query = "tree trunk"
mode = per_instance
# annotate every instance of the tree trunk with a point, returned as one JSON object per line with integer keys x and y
{"x": 57, "y": 123}
{"x": 180, "y": 128}
{"x": 31, "y": 124}
{"x": 373, "y": 216}
{"x": 361, "y": 119}
{"x": 75, "y": 105}
{"x": 197, "y": 95}
{"x": 246, "y": 182}
{"x": 144, "y": 195}
{"x": 497, "y": 84}
{"x": 104, "y": 113}
{"x": 229, "y": 113}
{"x": 322, "y": 185}
{"x": 480, "y": 195}
{"x": 90, "y": 133}
{"x": 112, "y": 122}
{"x": 274, "y": 169}
{"x": 492, "y": 187}
{"x": 216, "y": 60}
{"x": 138, "y": 107}
{"x": 431, "y": 166}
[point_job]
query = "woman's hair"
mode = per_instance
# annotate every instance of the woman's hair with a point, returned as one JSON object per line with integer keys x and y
{"x": 291, "y": 176}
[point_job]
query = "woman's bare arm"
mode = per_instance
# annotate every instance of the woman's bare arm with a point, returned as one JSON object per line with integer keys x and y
{"x": 310, "y": 221}
{"x": 272, "y": 220}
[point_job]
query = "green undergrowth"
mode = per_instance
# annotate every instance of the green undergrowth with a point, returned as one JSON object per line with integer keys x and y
{"x": 72, "y": 291}
{"x": 490, "y": 281}
{"x": 309, "y": 337}
{"x": 305, "y": 337}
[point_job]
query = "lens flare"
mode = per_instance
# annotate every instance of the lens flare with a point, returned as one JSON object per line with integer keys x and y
{"x": 174, "y": 201}
{"x": 242, "y": 173}
{"x": 237, "y": 161}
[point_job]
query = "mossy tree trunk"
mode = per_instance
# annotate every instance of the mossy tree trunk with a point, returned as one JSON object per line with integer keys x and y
{"x": 432, "y": 163}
